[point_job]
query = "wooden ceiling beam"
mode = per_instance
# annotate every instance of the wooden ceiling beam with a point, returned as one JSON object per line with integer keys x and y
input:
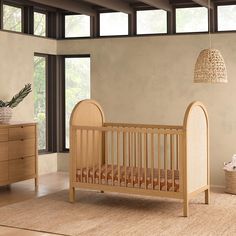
{"x": 161, "y": 4}
{"x": 204, "y": 3}
{"x": 69, "y": 5}
{"x": 117, "y": 5}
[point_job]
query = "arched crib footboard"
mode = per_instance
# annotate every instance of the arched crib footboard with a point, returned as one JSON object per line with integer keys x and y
{"x": 156, "y": 160}
{"x": 196, "y": 161}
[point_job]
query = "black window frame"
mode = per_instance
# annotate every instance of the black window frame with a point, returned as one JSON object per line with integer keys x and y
{"x": 16, "y": 5}
{"x": 216, "y": 16}
{"x": 47, "y": 23}
{"x": 53, "y": 18}
{"x": 63, "y": 58}
{"x": 114, "y": 36}
{"x": 150, "y": 34}
{"x": 46, "y": 56}
{"x": 192, "y": 32}
{"x": 52, "y": 103}
{"x": 77, "y": 37}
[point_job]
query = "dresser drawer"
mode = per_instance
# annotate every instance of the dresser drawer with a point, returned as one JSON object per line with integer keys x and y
{"x": 3, "y": 171}
{"x": 3, "y": 151}
{"x": 21, "y": 132}
{"x": 21, "y": 148}
{"x": 3, "y": 135}
{"x": 21, "y": 168}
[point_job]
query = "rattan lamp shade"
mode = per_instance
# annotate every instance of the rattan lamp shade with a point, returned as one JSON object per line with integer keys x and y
{"x": 210, "y": 67}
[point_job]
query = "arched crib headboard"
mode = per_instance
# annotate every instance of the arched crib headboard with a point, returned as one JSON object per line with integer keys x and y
{"x": 86, "y": 113}
{"x": 196, "y": 125}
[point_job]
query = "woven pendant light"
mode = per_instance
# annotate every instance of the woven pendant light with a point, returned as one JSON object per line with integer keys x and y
{"x": 210, "y": 66}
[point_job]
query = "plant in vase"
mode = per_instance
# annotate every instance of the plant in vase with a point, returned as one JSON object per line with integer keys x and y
{"x": 6, "y": 107}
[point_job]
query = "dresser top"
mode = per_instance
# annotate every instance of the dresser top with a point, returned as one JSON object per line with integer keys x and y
{"x": 17, "y": 123}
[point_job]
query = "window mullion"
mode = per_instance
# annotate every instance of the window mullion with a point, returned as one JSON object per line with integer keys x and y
{"x": 28, "y": 20}
{"x": 1, "y": 14}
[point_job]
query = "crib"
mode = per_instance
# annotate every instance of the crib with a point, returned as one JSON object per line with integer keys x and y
{"x": 155, "y": 160}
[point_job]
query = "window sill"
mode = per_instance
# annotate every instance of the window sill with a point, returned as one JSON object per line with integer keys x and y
{"x": 44, "y": 152}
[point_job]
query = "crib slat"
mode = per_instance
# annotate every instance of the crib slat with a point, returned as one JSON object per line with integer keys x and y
{"x": 112, "y": 156}
{"x": 124, "y": 154}
{"x": 93, "y": 154}
{"x": 106, "y": 156}
{"x": 86, "y": 155}
{"x": 159, "y": 161}
{"x": 172, "y": 160}
{"x": 81, "y": 154}
{"x": 76, "y": 164}
{"x": 118, "y": 155}
{"x": 100, "y": 155}
{"x": 152, "y": 159}
{"x": 145, "y": 158}
{"x": 177, "y": 152}
{"x": 135, "y": 149}
{"x": 135, "y": 157}
{"x": 132, "y": 155}
{"x": 139, "y": 157}
{"x": 181, "y": 164}
{"x": 165, "y": 159}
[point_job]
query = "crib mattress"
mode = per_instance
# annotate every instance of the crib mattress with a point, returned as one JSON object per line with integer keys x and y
{"x": 131, "y": 177}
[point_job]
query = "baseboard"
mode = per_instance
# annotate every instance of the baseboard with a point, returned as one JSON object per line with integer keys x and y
{"x": 63, "y": 162}
{"x": 217, "y": 186}
{"x": 47, "y": 163}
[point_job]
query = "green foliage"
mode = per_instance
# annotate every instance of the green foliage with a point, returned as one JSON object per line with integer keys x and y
{"x": 18, "y": 98}
{"x": 77, "y": 26}
{"x": 40, "y": 99}
{"x": 2, "y": 103}
{"x": 77, "y": 85}
{"x": 39, "y": 24}
{"x": 12, "y": 18}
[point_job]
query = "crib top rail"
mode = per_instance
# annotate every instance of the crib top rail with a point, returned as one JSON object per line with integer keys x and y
{"x": 146, "y": 126}
{"x": 133, "y": 128}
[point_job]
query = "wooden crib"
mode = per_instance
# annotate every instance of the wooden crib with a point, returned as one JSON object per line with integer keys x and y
{"x": 156, "y": 160}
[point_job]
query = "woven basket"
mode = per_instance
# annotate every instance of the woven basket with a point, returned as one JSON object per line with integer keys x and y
{"x": 230, "y": 182}
{"x": 5, "y": 115}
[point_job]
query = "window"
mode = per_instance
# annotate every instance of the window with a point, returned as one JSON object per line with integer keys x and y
{"x": 192, "y": 19}
{"x": 12, "y": 18}
{"x": 226, "y": 17}
{"x": 114, "y": 23}
{"x": 40, "y": 76}
{"x": 40, "y": 24}
{"x": 77, "y": 85}
{"x": 77, "y": 26}
{"x": 151, "y": 22}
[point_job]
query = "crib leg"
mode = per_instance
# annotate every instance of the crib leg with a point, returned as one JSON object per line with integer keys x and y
{"x": 207, "y": 196}
{"x": 186, "y": 207}
{"x": 72, "y": 194}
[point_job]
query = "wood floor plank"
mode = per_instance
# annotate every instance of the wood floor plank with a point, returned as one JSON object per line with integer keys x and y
{"x": 25, "y": 190}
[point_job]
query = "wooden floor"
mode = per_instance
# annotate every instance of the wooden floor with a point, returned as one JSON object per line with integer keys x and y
{"x": 22, "y": 191}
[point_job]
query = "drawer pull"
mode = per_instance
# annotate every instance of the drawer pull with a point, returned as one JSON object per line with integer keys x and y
{"x": 22, "y": 140}
{"x": 22, "y": 127}
{"x": 22, "y": 158}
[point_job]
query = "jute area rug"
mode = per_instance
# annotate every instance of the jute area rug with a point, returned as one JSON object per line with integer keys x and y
{"x": 114, "y": 214}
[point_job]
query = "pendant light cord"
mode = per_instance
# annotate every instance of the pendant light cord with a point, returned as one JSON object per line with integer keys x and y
{"x": 209, "y": 23}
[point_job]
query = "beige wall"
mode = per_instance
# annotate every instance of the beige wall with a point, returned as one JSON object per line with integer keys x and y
{"x": 149, "y": 80}
{"x": 144, "y": 79}
{"x": 16, "y": 67}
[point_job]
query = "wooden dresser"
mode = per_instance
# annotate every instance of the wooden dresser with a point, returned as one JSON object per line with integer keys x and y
{"x": 18, "y": 153}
